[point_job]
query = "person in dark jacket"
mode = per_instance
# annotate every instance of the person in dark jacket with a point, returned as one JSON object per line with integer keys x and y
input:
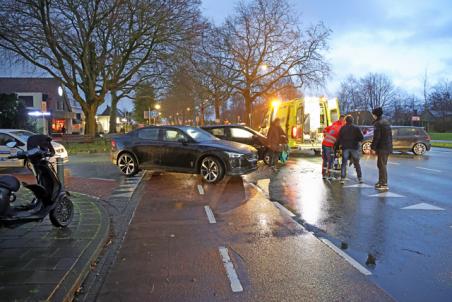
{"x": 349, "y": 139}
{"x": 382, "y": 146}
{"x": 276, "y": 138}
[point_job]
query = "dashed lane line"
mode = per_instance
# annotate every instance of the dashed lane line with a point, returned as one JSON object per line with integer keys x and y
{"x": 428, "y": 169}
{"x": 346, "y": 257}
{"x": 210, "y": 215}
{"x": 236, "y": 286}
{"x": 200, "y": 190}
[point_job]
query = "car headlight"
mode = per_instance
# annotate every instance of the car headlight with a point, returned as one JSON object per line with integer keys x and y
{"x": 234, "y": 155}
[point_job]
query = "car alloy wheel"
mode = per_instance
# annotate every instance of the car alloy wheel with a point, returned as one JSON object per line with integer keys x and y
{"x": 419, "y": 149}
{"x": 366, "y": 147}
{"x": 211, "y": 170}
{"x": 127, "y": 164}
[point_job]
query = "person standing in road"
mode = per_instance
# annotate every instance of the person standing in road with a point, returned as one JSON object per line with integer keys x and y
{"x": 330, "y": 135}
{"x": 349, "y": 139}
{"x": 382, "y": 146}
{"x": 276, "y": 138}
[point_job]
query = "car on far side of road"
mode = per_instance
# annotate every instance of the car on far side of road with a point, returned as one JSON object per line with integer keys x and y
{"x": 404, "y": 139}
{"x": 20, "y": 137}
{"x": 181, "y": 149}
{"x": 244, "y": 135}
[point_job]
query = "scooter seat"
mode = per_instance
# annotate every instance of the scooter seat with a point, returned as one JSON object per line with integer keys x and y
{"x": 9, "y": 182}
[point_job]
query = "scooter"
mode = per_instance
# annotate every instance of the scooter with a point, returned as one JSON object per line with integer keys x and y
{"x": 50, "y": 198}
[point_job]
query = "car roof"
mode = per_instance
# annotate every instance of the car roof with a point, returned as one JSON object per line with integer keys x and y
{"x": 225, "y": 126}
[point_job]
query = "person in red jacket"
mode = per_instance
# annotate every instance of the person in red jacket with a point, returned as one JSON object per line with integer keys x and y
{"x": 330, "y": 135}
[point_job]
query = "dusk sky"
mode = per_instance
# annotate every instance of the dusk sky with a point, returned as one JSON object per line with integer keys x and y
{"x": 402, "y": 38}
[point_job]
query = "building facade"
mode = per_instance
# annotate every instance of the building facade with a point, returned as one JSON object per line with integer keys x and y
{"x": 47, "y": 102}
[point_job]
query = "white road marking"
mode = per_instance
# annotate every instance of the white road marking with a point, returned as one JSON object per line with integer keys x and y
{"x": 428, "y": 169}
{"x": 358, "y": 186}
{"x": 236, "y": 286}
{"x": 283, "y": 209}
{"x": 347, "y": 258}
{"x": 122, "y": 195}
{"x": 264, "y": 185}
{"x": 210, "y": 215}
{"x": 423, "y": 206}
{"x": 200, "y": 190}
{"x": 386, "y": 194}
{"x": 393, "y": 163}
{"x": 105, "y": 179}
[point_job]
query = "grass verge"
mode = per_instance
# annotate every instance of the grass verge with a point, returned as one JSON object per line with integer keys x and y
{"x": 99, "y": 145}
{"x": 442, "y": 145}
{"x": 441, "y": 136}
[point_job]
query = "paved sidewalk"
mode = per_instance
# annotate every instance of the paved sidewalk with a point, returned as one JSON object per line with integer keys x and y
{"x": 40, "y": 262}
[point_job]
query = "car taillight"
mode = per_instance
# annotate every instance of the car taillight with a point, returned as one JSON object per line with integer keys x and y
{"x": 294, "y": 132}
{"x": 113, "y": 143}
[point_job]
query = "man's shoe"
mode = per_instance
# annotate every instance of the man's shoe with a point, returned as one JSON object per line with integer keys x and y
{"x": 360, "y": 180}
{"x": 377, "y": 185}
{"x": 382, "y": 187}
{"x": 324, "y": 177}
{"x": 342, "y": 180}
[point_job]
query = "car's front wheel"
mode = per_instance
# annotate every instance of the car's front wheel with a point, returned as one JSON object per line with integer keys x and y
{"x": 128, "y": 164}
{"x": 366, "y": 147}
{"x": 419, "y": 149}
{"x": 211, "y": 170}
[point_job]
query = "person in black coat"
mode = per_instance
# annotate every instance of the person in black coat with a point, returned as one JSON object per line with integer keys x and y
{"x": 382, "y": 146}
{"x": 349, "y": 139}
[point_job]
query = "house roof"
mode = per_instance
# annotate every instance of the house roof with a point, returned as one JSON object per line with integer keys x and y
{"x": 107, "y": 111}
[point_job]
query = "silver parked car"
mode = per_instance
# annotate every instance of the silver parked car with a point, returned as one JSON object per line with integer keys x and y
{"x": 21, "y": 137}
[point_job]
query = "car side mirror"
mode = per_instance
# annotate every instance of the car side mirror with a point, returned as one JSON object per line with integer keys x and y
{"x": 11, "y": 144}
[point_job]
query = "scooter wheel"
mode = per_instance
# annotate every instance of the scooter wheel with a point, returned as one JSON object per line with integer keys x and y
{"x": 61, "y": 215}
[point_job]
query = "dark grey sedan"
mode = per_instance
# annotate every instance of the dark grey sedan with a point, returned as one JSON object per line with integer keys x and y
{"x": 181, "y": 149}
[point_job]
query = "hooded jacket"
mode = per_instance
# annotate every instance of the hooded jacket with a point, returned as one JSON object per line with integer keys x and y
{"x": 382, "y": 141}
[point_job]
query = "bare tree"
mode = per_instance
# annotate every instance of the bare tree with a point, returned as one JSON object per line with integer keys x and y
{"x": 350, "y": 95}
{"x": 377, "y": 90}
{"x": 94, "y": 46}
{"x": 262, "y": 44}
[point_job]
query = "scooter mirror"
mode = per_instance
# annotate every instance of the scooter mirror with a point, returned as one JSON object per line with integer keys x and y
{"x": 11, "y": 144}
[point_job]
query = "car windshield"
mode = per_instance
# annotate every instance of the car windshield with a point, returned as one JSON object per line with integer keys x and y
{"x": 199, "y": 135}
{"x": 22, "y": 134}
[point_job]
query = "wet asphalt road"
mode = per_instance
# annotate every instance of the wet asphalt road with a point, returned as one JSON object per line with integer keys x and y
{"x": 412, "y": 247}
{"x": 247, "y": 250}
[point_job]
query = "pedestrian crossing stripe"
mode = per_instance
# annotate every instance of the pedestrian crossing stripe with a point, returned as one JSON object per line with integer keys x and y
{"x": 358, "y": 186}
{"x": 387, "y": 194}
{"x": 121, "y": 195}
{"x": 423, "y": 206}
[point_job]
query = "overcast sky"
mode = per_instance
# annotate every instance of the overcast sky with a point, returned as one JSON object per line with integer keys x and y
{"x": 402, "y": 38}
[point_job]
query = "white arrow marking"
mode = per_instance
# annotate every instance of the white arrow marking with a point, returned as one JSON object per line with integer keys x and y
{"x": 386, "y": 194}
{"x": 423, "y": 206}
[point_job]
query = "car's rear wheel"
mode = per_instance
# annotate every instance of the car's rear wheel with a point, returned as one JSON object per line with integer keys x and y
{"x": 211, "y": 169}
{"x": 419, "y": 149}
{"x": 366, "y": 147}
{"x": 128, "y": 164}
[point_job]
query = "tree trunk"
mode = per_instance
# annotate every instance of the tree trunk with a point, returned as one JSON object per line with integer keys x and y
{"x": 248, "y": 108}
{"x": 113, "y": 111}
{"x": 90, "y": 120}
{"x": 217, "y": 110}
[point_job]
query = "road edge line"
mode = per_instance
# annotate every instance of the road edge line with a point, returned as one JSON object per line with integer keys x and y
{"x": 346, "y": 257}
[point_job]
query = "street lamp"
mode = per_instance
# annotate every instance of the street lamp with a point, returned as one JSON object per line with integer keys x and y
{"x": 157, "y": 107}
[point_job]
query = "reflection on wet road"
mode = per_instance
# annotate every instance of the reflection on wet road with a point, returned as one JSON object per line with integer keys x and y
{"x": 406, "y": 230}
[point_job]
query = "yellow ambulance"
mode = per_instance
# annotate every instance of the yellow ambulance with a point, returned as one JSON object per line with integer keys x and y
{"x": 303, "y": 120}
